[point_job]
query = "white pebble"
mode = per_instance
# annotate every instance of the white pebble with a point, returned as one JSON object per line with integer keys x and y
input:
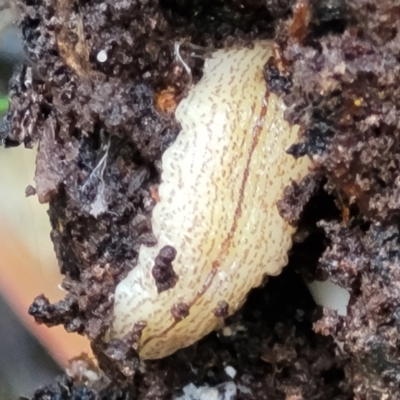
{"x": 102, "y": 56}
{"x": 230, "y": 371}
{"x": 330, "y": 295}
{"x": 224, "y": 391}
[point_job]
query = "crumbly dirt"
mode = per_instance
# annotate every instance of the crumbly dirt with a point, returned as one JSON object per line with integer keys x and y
{"x": 99, "y": 96}
{"x": 344, "y": 92}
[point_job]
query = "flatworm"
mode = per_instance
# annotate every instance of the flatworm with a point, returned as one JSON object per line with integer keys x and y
{"x": 219, "y": 187}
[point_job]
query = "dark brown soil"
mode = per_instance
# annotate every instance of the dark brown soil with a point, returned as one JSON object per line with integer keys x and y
{"x": 103, "y": 122}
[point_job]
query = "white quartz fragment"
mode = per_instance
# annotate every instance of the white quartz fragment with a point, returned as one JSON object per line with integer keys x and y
{"x": 225, "y": 391}
{"x": 328, "y": 294}
{"x": 102, "y": 56}
{"x": 230, "y": 371}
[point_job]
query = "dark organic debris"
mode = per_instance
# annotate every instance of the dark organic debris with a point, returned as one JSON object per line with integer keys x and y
{"x": 345, "y": 95}
{"x": 163, "y": 273}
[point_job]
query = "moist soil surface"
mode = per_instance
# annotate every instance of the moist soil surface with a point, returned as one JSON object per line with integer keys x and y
{"x": 98, "y": 97}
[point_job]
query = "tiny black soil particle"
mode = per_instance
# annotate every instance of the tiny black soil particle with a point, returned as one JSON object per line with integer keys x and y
{"x": 163, "y": 273}
{"x": 222, "y": 309}
{"x": 180, "y": 311}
